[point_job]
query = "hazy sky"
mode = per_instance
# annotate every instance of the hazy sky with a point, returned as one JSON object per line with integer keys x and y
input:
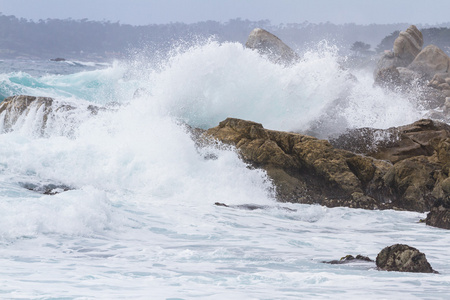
{"x": 142, "y": 12}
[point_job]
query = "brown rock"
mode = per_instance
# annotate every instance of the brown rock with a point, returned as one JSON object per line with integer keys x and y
{"x": 439, "y": 215}
{"x": 403, "y": 258}
{"x": 305, "y": 169}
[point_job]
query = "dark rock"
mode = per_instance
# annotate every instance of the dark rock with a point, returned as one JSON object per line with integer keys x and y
{"x": 58, "y": 59}
{"x": 271, "y": 46}
{"x": 349, "y": 259}
{"x": 439, "y": 215}
{"x": 403, "y": 258}
{"x": 254, "y": 206}
{"x": 46, "y": 188}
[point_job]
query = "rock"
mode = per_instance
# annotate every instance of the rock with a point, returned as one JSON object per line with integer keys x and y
{"x": 430, "y": 61}
{"x": 407, "y": 171}
{"x": 388, "y": 77}
{"x": 13, "y": 109}
{"x": 439, "y": 215}
{"x": 57, "y": 59}
{"x": 46, "y": 188}
{"x": 254, "y": 206}
{"x": 406, "y": 47}
{"x": 271, "y": 46}
{"x": 349, "y": 259}
{"x": 396, "y": 143}
{"x": 403, "y": 258}
{"x": 305, "y": 169}
{"x": 408, "y": 44}
{"x": 17, "y": 106}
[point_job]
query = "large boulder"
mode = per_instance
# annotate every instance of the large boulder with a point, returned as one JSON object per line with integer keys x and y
{"x": 271, "y": 46}
{"x": 406, "y": 47}
{"x": 431, "y": 61}
{"x": 408, "y": 44}
{"x": 403, "y": 258}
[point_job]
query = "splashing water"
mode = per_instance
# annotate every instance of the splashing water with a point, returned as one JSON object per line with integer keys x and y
{"x": 140, "y": 220}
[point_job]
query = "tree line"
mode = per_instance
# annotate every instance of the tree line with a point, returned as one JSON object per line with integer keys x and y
{"x": 70, "y": 38}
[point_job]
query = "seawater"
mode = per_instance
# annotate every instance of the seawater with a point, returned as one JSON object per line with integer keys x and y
{"x": 140, "y": 221}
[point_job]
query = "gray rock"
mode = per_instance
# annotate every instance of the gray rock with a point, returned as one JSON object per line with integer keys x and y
{"x": 430, "y": 61}
{"x": 271, "y": 46}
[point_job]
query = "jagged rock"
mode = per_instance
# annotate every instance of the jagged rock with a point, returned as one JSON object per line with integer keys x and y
{"x": 406, "y": 47}
{"x": 430, "y": 61}
{"x": 396, "y": 143}
{"x": 408, "y": 44}
{"x": 15, "y": 108}
{"x": 349, "y": 259}
{"x": 403, "y": 258}
{"x": 439, "y": 215}
{"x": 271, "y": 46}
{"x": 308, "y": 170}
{"x": 305, "y": 169}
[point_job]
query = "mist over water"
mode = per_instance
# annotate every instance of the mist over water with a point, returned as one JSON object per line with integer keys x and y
{"x": 140, "y": 221}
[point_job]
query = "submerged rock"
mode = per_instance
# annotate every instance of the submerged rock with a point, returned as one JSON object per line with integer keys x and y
{"x": 349, "y": 259}
{"x": 403, "y": 258}
{"x": 254, "y": 206}
{"x": 46, "y": 188}
{"x": 271, "y": 46}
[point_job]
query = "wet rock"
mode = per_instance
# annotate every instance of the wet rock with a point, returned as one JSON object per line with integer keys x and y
{"x": 349, "y": 259}
{"x": 439, "y": 215}
{"x": 305, "y": 169}
{"x": 407, "y": 171}
{"x": 254, "y": 206}
{"x": 16, "y": 108}
{"x": 271, "y": 46}
{"x": 46, "y": 188}
{"x": 396, "y": 143}
{"x": 403, "y": 258}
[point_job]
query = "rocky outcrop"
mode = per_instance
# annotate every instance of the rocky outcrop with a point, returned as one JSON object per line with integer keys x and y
{"x": 408, "y": 44}
{"x": 419, "y": 154}
{"x": 396, "y": 143}
{"x": 14, "y": 109}
{"x": 424, "y": 74}
{"x": 308, "y": 170}
{"x": 406, "y": 47}
{"x": 439, "y": 215}
{"x": 403, "y": 258}
{"x": 271, "y": 46}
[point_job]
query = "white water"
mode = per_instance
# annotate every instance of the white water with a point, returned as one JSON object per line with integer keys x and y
{"x": 141, "y": 222}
